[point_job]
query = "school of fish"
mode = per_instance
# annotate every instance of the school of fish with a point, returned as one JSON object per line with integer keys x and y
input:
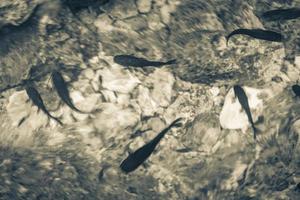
{"x": 138, "y": 157}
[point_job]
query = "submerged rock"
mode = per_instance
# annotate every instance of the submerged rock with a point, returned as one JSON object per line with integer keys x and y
{"x": 114, "y": 119}
{"x": 162, "y": 82}
{"x": 146, "y": 102}
{"x": 15, "y": 12}
{"x": 203, "y": 133}
{"x": 144, "y": 6}
{"x": 233, "y": 116}
{"x": 118, "y": 80}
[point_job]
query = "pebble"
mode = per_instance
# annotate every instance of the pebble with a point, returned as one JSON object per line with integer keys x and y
{"x": 114, "y": 119}
{"x": 147, "y": 104}
{"x": 17, "y": 107}
{"x": 89, "y": 73}
{"x": 90, "y": 103}
{"x": 124, "y": 9}
{"x": 104, "y": 23}
{"x": 233, "y": 116}
{"x": 144, "y": 6}
{"x": 162, "y": 82}
{"x": 109, "y": 96}
{"x": 118, "y": 80}
{"x": 154, "y": 22}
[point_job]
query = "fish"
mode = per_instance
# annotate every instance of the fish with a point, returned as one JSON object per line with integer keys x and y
{"x": 62, "y": 90}
{"x": 296, "y": 90}
{"x": 134, "y": 160}
{"x": 243, "y": 99}
{"x": 258, "y": 34}
{"x": 132, "y": 61}
{"x": 37, "y": 100}
{"x": 281, "y": 14}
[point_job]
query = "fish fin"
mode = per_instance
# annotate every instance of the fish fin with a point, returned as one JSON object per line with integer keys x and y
{"x": 255, "y": 132}
{"x": 227, "y": 41}
{"x": 170, "y": 62}
{"x": 22, "y": 120}
{"x": 57, "y": 120}
{"x": 176, "y": 123}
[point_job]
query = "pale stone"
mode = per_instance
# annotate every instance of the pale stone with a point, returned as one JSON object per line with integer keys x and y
{"x": 17, "y": 107}
{"x": 123, "y": 99}
{"x": 76, "y": 97}
{"x": 37, "y": 119}
{"x": 297, "y": 61}
{"x": 89, "y": 73}
{"x": 203, "y": 133}
{"x": 80, "y": 116}
{"x": 154, "y": 22}
{"x": 165, "y": 12}
{"x": 136, "y": 23}
{"x": 109, "y": 96}
{"x": 163, "y": 82}
{"x": 96, "y": 82}
{"x": 89, "y": 104}
{"x": 147, "y": 104}
{"x": 118, "y": 80}
{"x": 233, "y": 116}
{"x": 113, "y": 119}
{"x": 215, "y": 91}
{"x": 144, "y": 6}
{"x": 104, "y": 23}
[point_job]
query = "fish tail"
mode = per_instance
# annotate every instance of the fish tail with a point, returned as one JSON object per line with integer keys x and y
{"x": 227, "y": 40}
{"x": 56, "y": 119}
{"x": 72, "y": 106}
{"x": 255, "y": 131}
{"x": 170, "y": 62}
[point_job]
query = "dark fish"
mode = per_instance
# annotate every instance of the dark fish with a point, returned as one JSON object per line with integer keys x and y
{"x": 243, "y": 99}
{"x": 258, "y": 34}
{"x": 62, "y": 90}
{"x": 132, "y": 61}
{"x": 135, "y": 159}
{"x": 296, "y": 90}
{"x": 37, "y": 100}
{"x": 281, "y": 14}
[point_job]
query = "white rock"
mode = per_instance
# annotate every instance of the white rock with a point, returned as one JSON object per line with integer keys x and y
{"x": 88, "y": 104}
{"x": 89, "y": 73}
{"x": 215, "y": 91}
{"x": 104, "y": 23}
{"x": 109, "y": 96}
{"x": 17, "y": 108}
{"x": 144, "y": 6}
{"x": 154, "y": 22}
{"x": 162, "y": 81}
{"x": 210, "y": 139}
{"x": 297, "y": 61}
{"x": 203, "y": 133}
{"x": 96, "y": 81}
{"x": 165, "y": 12}
{"x": 80, "y": 116}
{"x": 37, "y": 119}
{"x": 123, "y": 99}
{"x": 116, "y": 79}
{"x": 113, "y": 119}
{"x": 76, "y": 96}
{"x": 147, "y": 104}
{"x": 233, "y": 116}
